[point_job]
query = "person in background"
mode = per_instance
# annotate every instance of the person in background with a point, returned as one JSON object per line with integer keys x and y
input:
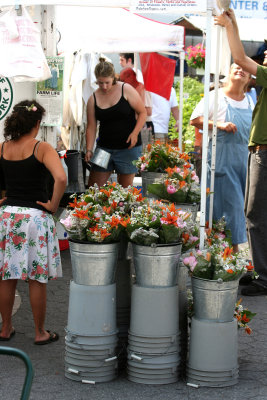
{"x": 251, "y": 91}
{"x": 161, "y": 114}
{"x": 127, "y": 61}
{"x": 128, "y": 75}
{"x": 233, "y": 125}
{"x": 121, "y": 115}
{"x": 28, "y": 244}
{"x": 256, "y": 188}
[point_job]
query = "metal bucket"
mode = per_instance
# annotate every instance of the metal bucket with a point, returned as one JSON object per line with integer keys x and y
{"x": 154, "y": 311}
{"x": 214, "y": 300}
{"x": 147, "y": 179}
{"x": 101, "y": 158}
{"x": 93, "y": 263}
{"x": 191, "y": 208}
{"x": 156, "y": 265}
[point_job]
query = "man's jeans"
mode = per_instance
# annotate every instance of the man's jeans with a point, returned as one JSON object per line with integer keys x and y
{"x": 256, "y": 211}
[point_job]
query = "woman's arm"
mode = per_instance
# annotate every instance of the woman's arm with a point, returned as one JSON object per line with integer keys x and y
{"x": 49, "y": 157}
{"x": 91, "y": 129}
{"x": 137, "y": 104}
{"x": 223, "y": 126}
{"x": 227, "y": 19}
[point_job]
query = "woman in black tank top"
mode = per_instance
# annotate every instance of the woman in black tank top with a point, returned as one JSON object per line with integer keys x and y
{"x": 28, "y": 244}
{"x": 121, "y": 115}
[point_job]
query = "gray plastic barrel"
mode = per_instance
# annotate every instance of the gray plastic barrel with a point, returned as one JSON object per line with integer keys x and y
{"x": 154, "y": 311}
{"x": 216, "y": 368}
{"x": 214, "y": 300}
{"x": 93, "y": 263}
{"x": 147, "y": 179}
{"x": 156, "y": 265}
{"x": 92, "y": 309}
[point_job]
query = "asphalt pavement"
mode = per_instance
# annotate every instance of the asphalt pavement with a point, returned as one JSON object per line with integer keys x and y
{"x": 48, "y": 361}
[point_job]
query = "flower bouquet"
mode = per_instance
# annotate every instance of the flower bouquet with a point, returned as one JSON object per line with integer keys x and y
{"x": 216, "y": 263}
{"x": 157, "y": 157}
{"x": 243, "y": 316}
{"x": 100, "y": 215}
{"x": 195, "y": 56}
{"x": 180, "y": 185}
{"x": 156, "y": 223}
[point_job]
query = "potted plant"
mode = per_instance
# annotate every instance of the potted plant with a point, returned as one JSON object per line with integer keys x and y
{"x": 180, "y": 185}
{"x": 156, "y": 158}
{"x": 95, "y": 223}
{"x": 195, "y": 57}
{"x": 155, "y": 231}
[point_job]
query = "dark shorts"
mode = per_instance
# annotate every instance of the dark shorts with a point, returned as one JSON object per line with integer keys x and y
{"x": 121, "y": 160}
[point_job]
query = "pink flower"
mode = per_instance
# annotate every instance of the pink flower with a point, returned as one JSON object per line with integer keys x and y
{"x": 66, "y": 222}
{"x": 171, "y": 189}
{"x": 143, "y": 167}
{"x": 34, "y": 108}
{"x": 193, "y": 239}
{"x": 190, "y": 262}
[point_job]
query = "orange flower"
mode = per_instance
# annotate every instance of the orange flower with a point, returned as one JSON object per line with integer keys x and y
{"x": 114, "y": 203}
{"x": 245, "y": 319}
{"x": 182, "y": 184}
{"x": 248, "y": 330}
{"x": 104, "y": 233}
{"x": 107, "y": 192}
{"x": 227, "y": 252}
{"x": 169, "y": 171}
{"x": 82, "y": 214}
{"x": 114, "y": 222}
{"x": 207, "y": 191}
{"x": 230, "y": 271}
{"x": 149, "y": 147}
{"x": 107, "y": 210}
{"x": 170, "y": 219}
{"x": 185, "y": 237}
{"x": 208, "y": 256}
{"x": 249, "y": 267}
{"x": 125, "y": 222}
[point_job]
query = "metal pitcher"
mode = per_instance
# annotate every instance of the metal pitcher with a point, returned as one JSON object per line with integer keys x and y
{"x": 100, "y": 158}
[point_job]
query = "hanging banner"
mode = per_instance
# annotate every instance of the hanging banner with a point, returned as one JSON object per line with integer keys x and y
{"x": 49, "y": 93}
{"x": 250, "y": 9}
{"x": 168, "y": 6}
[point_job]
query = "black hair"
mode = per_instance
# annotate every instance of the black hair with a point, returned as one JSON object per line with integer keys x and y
{"x": 23, "y": 119}
{"x": 128, "y": 56}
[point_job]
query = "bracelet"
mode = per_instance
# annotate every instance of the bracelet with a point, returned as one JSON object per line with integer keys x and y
{"x": 89, "y": 150}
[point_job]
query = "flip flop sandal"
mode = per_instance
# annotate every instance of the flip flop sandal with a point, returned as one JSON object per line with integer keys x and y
{"x": 53, "y": 337}
{"x": 6, "y": 339}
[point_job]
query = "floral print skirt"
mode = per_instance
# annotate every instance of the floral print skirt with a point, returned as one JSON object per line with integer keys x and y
{"x": 28, "y": 245}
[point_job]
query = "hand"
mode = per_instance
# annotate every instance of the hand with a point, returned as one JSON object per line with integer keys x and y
{"x": 132, "y": 139}
{"x": 176, "y": 125}
{"x": 88, "y": 155}
{"x": 224, "y": 19}
{"x": 2, "y": 200}
{"x": 48, "y": 206}
{"x": 227, "y": 126}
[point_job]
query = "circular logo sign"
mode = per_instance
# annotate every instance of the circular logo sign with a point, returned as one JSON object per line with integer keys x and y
{"x": 6, "y": 96}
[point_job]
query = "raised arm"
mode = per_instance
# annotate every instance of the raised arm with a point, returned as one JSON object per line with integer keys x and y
{"x": 228, "y": 20}
{"x": 91, "y": 129}
{"x": 137, "y": 104}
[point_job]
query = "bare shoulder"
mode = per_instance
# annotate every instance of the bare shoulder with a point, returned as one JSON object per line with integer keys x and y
{"x": 45, "y": 149}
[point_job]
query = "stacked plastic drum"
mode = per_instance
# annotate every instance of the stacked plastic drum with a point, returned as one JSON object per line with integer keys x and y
{"x": 213, "y": 348}
{"x": 91, "y": 333}
{"x": 153, "y": 349}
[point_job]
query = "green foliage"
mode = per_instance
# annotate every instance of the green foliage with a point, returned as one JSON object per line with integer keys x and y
{"x": 193, "y": 92}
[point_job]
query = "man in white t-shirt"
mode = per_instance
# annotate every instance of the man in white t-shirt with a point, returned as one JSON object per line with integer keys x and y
{"x": 161, "y": 114}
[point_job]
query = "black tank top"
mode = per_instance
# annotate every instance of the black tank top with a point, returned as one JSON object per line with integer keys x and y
{"x": 116, "y": 124}
{"x": 25, "y": 181}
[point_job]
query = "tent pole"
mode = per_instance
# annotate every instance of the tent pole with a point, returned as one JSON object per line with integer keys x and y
{"x": 214, "y": 131}
{"x": 205, "y": 130}
{"x": 182, "y": 57}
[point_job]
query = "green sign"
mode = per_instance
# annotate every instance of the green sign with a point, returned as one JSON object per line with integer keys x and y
{"x": 6, "y": 96}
